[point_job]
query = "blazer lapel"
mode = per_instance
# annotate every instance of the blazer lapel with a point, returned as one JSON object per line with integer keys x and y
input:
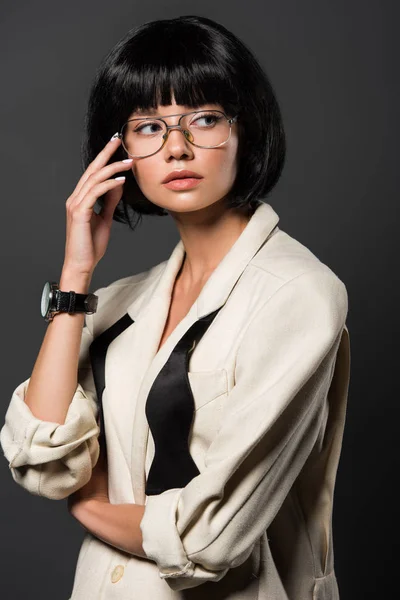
{"x": 141, "y": 339}
{"x": 98, "y": 352}
{"x": 136, "y": 333}
{"x": 127, "y": 356}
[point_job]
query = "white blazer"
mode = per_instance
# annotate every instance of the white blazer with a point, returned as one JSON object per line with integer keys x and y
{"x": 245, "y": 403}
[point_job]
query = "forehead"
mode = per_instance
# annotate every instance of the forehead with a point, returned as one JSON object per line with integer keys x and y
{"x": 171, "y": 109}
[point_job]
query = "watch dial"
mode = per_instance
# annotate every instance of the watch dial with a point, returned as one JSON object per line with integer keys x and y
{"x": 45, "y": 299}
{"x": 91, "y": 303}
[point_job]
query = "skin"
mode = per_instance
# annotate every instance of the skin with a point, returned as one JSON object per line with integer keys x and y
{"x": 207, "y": 228}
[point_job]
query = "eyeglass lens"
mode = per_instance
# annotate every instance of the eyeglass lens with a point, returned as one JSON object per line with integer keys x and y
{"x": 141, "y": 137}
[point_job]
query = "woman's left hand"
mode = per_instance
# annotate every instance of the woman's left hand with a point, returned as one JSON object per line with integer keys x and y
{"x": 96, "y": 487}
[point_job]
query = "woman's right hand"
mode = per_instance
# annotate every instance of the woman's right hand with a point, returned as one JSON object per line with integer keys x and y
{"x": 88, "y": 233}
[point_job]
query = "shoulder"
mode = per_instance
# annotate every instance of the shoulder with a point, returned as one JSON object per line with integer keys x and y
{"x": 295, "y": 304}
{"x": 115, "y": 297}
{"x": 285, "y": 270}
{"x": 285, "y": 257}
{"x": 132, "y": 284}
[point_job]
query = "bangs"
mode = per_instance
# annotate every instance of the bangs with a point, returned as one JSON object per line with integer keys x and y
{"x": 170, "y": 62}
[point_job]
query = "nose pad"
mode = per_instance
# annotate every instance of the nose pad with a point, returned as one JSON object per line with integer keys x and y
{"x": 188, "y": 135}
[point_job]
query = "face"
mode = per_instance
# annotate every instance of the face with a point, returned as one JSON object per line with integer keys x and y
{"x": 216, "y": 166}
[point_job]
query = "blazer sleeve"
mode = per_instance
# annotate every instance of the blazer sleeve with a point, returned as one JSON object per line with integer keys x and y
{"x": 271, "y": 422}
{"x": 51, "y": 459}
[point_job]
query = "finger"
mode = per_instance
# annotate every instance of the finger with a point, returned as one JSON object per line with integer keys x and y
{"x": 111, "y": 200}
{"x": 95, "y": 192}
{"x": 101, "y": 160}
{"x": 103, "y": 174}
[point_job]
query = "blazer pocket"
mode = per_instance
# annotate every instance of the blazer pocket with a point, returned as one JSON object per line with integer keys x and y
{"x": 207, "y": 386}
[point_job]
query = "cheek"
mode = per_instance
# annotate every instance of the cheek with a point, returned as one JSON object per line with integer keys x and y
{"x": 228, "y": 164}
{"x": 219, "y": 162}
{"x": 145, "y": 172}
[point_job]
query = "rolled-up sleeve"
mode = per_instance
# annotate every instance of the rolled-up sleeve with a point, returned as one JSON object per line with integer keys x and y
{"x": 271, "y": 421}
{"x": 51, "y": 459}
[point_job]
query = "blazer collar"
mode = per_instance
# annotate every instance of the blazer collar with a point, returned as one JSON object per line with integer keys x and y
{"x": 149, "y": 313}
{"x": 219, "y": 285}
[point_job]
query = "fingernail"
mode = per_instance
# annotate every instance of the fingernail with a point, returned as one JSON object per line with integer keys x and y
{"x": 119, "y": 178}
{"x": 115, "y": 136}
{"x": 128, "y": 160}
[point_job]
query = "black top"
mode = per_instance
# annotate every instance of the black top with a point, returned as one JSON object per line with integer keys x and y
{"x": 169, "y": 405}
{"x": 170, "y": 411}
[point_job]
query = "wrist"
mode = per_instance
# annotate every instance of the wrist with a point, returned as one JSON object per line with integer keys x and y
{"x": 78, "y": 282}
{"x": 78, "y": 507}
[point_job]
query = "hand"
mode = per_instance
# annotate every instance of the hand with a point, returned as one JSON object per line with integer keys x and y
{"x": 88, "y": 233}
{"x": 96, "y": 487}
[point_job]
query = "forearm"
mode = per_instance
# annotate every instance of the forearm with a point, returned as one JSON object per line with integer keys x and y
{"x": 54, "y": 376}
{"x": 115, "y": 524}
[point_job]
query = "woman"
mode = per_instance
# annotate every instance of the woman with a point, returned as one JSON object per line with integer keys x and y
{"x": 217, "y": 379}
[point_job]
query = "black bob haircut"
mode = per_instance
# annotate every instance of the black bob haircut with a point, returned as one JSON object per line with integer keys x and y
{"x": 201, "y": 62}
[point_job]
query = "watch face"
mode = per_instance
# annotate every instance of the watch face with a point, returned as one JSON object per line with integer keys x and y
{"x": 49, "y": 298}
{"x": 45, "y": 302}
{"x": 91, "y": 304}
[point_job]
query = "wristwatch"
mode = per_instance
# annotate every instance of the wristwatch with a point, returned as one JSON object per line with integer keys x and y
{"x": 54, "y": 301}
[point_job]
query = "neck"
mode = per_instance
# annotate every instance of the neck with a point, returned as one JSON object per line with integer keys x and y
{"x": 207, "y": 235}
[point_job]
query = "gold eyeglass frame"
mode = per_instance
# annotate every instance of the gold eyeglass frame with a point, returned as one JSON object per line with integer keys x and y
{"x": 185, "y": 132}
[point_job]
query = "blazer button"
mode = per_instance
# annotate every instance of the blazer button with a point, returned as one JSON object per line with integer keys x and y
{"x": 117, "y": 573}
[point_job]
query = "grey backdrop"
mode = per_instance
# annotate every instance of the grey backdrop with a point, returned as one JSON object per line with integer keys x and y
{"x": 333, "y": 65}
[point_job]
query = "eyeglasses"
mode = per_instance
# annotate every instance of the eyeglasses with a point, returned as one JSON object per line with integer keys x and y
{"x": 144, "y": 136}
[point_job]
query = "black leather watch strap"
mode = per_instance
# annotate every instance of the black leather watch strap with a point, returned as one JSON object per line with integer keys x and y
{"x": 70, "y": 301}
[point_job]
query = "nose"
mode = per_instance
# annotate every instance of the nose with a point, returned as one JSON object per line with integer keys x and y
{"x": 177, "y": 143}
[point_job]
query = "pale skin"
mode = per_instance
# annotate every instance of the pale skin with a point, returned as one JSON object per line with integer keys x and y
{"x": 208, "y": 230}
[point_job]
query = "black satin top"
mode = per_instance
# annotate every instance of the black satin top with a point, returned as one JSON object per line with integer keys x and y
{"x": 169, "y": 405}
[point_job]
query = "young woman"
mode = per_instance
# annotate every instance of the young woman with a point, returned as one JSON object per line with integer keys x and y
{"x": 194, "y": 419}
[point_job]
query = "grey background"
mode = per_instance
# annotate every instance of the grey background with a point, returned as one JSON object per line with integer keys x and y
{"x": 333, "y": 65}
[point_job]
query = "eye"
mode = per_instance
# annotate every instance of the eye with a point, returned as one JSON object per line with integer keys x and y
{"x": 212, "y": 119}
{"x": 141, "y": 128}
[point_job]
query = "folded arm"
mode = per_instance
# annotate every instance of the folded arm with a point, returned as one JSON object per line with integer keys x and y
{"x": 51, "y": 459}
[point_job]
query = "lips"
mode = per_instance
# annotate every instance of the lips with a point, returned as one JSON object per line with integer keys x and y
{"x": 185, "y": 183}
{"x": 183, "y": 174}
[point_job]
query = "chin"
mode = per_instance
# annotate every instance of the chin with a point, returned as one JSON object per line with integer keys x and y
{"x": 184, "y": 203}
